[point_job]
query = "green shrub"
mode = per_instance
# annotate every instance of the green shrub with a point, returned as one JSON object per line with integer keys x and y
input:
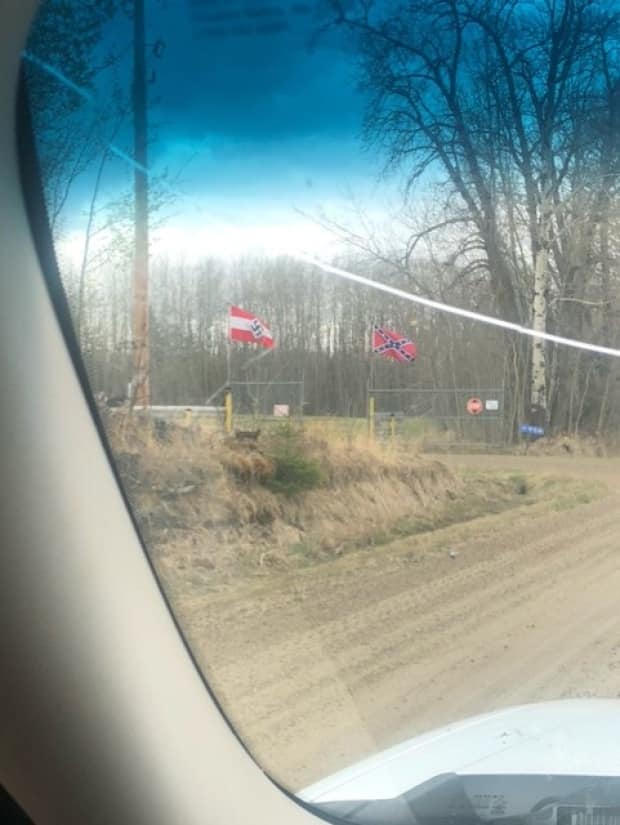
{"x": 294, "y": 474}
{"x": 294, "y": 470}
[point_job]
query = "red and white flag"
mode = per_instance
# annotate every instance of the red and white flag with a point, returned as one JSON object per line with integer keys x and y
{"x": 246, "y": 327}
{"x": 393, "y": 345}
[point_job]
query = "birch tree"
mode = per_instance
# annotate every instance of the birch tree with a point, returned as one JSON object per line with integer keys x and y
{"x": 494, "y": 98}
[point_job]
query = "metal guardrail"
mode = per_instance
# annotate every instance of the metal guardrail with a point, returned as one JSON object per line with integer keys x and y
{"x": 179, "y": 411}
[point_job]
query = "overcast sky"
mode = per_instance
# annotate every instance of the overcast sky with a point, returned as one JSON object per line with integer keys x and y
{"x": 253, "y": 127}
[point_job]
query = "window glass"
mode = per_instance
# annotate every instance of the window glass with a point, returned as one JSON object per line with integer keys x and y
{"x": 345, "y": 276}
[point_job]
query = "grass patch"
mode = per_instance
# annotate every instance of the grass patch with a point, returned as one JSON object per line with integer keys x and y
{"x": 577, "y": 494}
{"x": 520, "y": 483}
{"x": 307, "y": 551}
{"x": 300, "y": 496}
{"x": 483, "y": 494}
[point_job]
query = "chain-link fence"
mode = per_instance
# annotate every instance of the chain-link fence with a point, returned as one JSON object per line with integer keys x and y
{"x": 463, "y": 414}
{"x": 260, "y": 401}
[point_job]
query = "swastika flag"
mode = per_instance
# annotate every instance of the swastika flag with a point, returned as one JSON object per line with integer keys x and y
{"x": 246, "y": 327}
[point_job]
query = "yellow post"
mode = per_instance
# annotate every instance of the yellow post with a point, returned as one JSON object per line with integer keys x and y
{"x": 228, "y": 412}
{"x": 371, "y": 417}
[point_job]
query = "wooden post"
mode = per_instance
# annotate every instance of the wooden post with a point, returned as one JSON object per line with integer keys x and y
{"x": 140, "y": 385}
{"x": 371, "y": 417}
{"x": 228, "y": 412}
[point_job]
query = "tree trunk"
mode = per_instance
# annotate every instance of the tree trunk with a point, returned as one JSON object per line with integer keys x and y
{"x": 538, "y": 377}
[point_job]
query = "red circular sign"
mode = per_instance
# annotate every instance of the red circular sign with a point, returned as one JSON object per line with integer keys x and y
{"x": 474, "y": 406}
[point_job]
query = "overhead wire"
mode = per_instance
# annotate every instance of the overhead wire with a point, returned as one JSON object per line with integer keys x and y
{"x": 362, "y": 280}
{"x": 469, "y": 314}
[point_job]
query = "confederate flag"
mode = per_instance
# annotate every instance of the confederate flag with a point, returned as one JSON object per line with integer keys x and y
{"x": 392, "y": 345}
{"x": 245, "y": 326}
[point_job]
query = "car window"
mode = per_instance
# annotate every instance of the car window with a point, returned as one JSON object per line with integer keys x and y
{"x": 344, "y": 276}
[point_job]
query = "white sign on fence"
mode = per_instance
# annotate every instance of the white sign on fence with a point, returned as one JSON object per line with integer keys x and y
{"x": 491, "y": 405}
{"x": 281, "y": 411}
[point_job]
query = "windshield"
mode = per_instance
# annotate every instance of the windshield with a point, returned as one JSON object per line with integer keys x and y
{"x": 345, "y": 277}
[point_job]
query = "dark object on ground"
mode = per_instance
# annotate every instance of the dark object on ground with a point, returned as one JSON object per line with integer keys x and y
{"x": 247, "y": 435}
{"x": 116, "y": 401}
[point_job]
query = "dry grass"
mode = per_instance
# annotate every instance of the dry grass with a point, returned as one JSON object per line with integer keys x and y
{"x": 204, "y": 509}
{"x": 565, "y": 444}
{"x": 246, "y": 465}
{"x": 209, "y": 518}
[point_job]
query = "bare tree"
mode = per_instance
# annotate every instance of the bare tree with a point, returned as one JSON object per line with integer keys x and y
{"x": 496, "y": 95}
{"x": 63, "y": 62}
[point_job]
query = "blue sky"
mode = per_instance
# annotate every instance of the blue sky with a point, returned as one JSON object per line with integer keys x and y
{"x": 252, "y": 129}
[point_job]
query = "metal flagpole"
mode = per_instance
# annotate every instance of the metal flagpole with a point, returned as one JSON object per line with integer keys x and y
{"x": 228, "y": 377}
{"x": 371, "y": 389}
{"x": 228, "y": 348}
{"x": 228, "y": 399}
{"x": 228, "y": 368}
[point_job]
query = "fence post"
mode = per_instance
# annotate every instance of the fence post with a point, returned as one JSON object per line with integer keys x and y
{"x": 228, "y": 411}
{"x": 371, "y": 416}
{"x": 301, "y": 392}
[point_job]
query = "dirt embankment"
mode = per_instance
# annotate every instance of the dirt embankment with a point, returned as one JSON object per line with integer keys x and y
{"x": 320, "y": 667}
{"x": 402, "y": 593}
{"x": 215, "y": 509}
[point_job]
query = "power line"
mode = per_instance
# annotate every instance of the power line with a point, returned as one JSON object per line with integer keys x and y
{"x": 452, "y": 310}
{"x": 360, "y": 279}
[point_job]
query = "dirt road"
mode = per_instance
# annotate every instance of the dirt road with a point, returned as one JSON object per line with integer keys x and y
{"x": 323, "y": 668}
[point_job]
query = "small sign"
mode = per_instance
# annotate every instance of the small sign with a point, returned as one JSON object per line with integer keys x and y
{"x": 491, "y": 405}
{"x": 474, "y": 406}
{"x": 281, "y": 410}
{"x": 529, "y": 429}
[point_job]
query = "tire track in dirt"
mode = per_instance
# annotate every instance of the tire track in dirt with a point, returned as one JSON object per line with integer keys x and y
{"x": 327, "y": 668}
{"x": 386, "y": 629}
{"x": 409, "y": 655}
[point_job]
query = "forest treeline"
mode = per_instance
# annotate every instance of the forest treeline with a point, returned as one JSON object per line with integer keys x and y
{"x": 504, "y": 115}
{"x": 323, "y": 330}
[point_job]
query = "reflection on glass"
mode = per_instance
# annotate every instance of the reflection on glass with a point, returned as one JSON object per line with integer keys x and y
{"x": 316, "y": 256}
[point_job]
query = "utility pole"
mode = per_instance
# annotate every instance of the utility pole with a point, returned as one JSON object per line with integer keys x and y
{"x": 140, "y": 385}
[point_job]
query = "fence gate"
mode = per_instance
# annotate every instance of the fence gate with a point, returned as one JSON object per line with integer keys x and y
{"x": 259, "y": 400}
{"x": 475, "y": 414}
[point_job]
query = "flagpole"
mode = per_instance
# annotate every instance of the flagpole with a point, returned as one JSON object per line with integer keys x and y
{"x": 256, "y": 358}
{"x": 228, "y": 371}
{"x": 228, "y": 399}
{"x": 372, "y": 359}
{"x": 228, "y": 347}
{"x": 372, "y": 371}
{"x": 370, "y": 398}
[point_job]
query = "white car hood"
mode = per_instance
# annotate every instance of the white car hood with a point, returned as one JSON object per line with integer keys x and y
{"x": 569, "y": 737}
